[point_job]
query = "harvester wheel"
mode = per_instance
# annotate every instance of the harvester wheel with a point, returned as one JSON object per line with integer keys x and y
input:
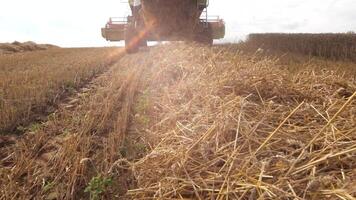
{"x": 131, "y": 40}
{"x": 205, "y": 36}
{"x": 143, "y": 43}
{"x": 206, "y": 40}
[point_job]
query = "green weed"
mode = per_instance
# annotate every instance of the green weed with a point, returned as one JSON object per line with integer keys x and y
{"x": 97, "y": 186}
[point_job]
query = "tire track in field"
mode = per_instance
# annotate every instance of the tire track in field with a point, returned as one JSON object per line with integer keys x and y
{"x": 67, "y": 98}
{"x": 34, "y": 83}
{"x": 82, "y": 139}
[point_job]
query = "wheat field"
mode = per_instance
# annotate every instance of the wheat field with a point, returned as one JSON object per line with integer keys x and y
{"x": 182, "y": 121}
{"x": 335, "y": 46}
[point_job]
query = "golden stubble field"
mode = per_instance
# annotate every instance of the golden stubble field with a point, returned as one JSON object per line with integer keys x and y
{"x": 189, "y": 122}
{"x": 32, "y": 82}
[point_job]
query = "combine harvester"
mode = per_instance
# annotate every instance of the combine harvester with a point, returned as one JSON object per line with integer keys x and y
{"x": 164, "y": 20}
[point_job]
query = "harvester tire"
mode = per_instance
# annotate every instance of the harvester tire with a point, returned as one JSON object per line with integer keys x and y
{"x": 205, "y": 36}
{"x": 143, "y": 43}
{"x": 207, "y": 40}
{"x": 131, "y": 42}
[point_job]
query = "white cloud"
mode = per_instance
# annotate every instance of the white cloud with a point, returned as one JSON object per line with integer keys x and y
{"x": 78, "y": 23}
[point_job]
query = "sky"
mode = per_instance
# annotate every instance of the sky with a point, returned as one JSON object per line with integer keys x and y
{"x": 77, "y": 23}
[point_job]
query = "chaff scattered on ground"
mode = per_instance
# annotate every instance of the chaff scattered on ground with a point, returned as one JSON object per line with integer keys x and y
{"x": 204, "y": 123}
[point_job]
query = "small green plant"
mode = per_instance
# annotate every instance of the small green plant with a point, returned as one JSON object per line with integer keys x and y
{"x": 142, "y": 107}
{"x": 97, "y": 186}
{"x": 70, "y": 86}
{"x": 48, "y": 186}
{"x": 21, "y": 129}
{"x": 140, "y": 148}
{"x": 34, "y": 127}
{"x": 143, "y": 119}
{"x": 142, "y": 103}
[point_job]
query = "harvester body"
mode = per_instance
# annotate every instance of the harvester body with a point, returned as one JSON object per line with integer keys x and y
{"x": 165, "y": 20}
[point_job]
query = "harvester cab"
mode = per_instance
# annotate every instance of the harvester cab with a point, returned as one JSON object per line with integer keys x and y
{"x": 164, "y": 20}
